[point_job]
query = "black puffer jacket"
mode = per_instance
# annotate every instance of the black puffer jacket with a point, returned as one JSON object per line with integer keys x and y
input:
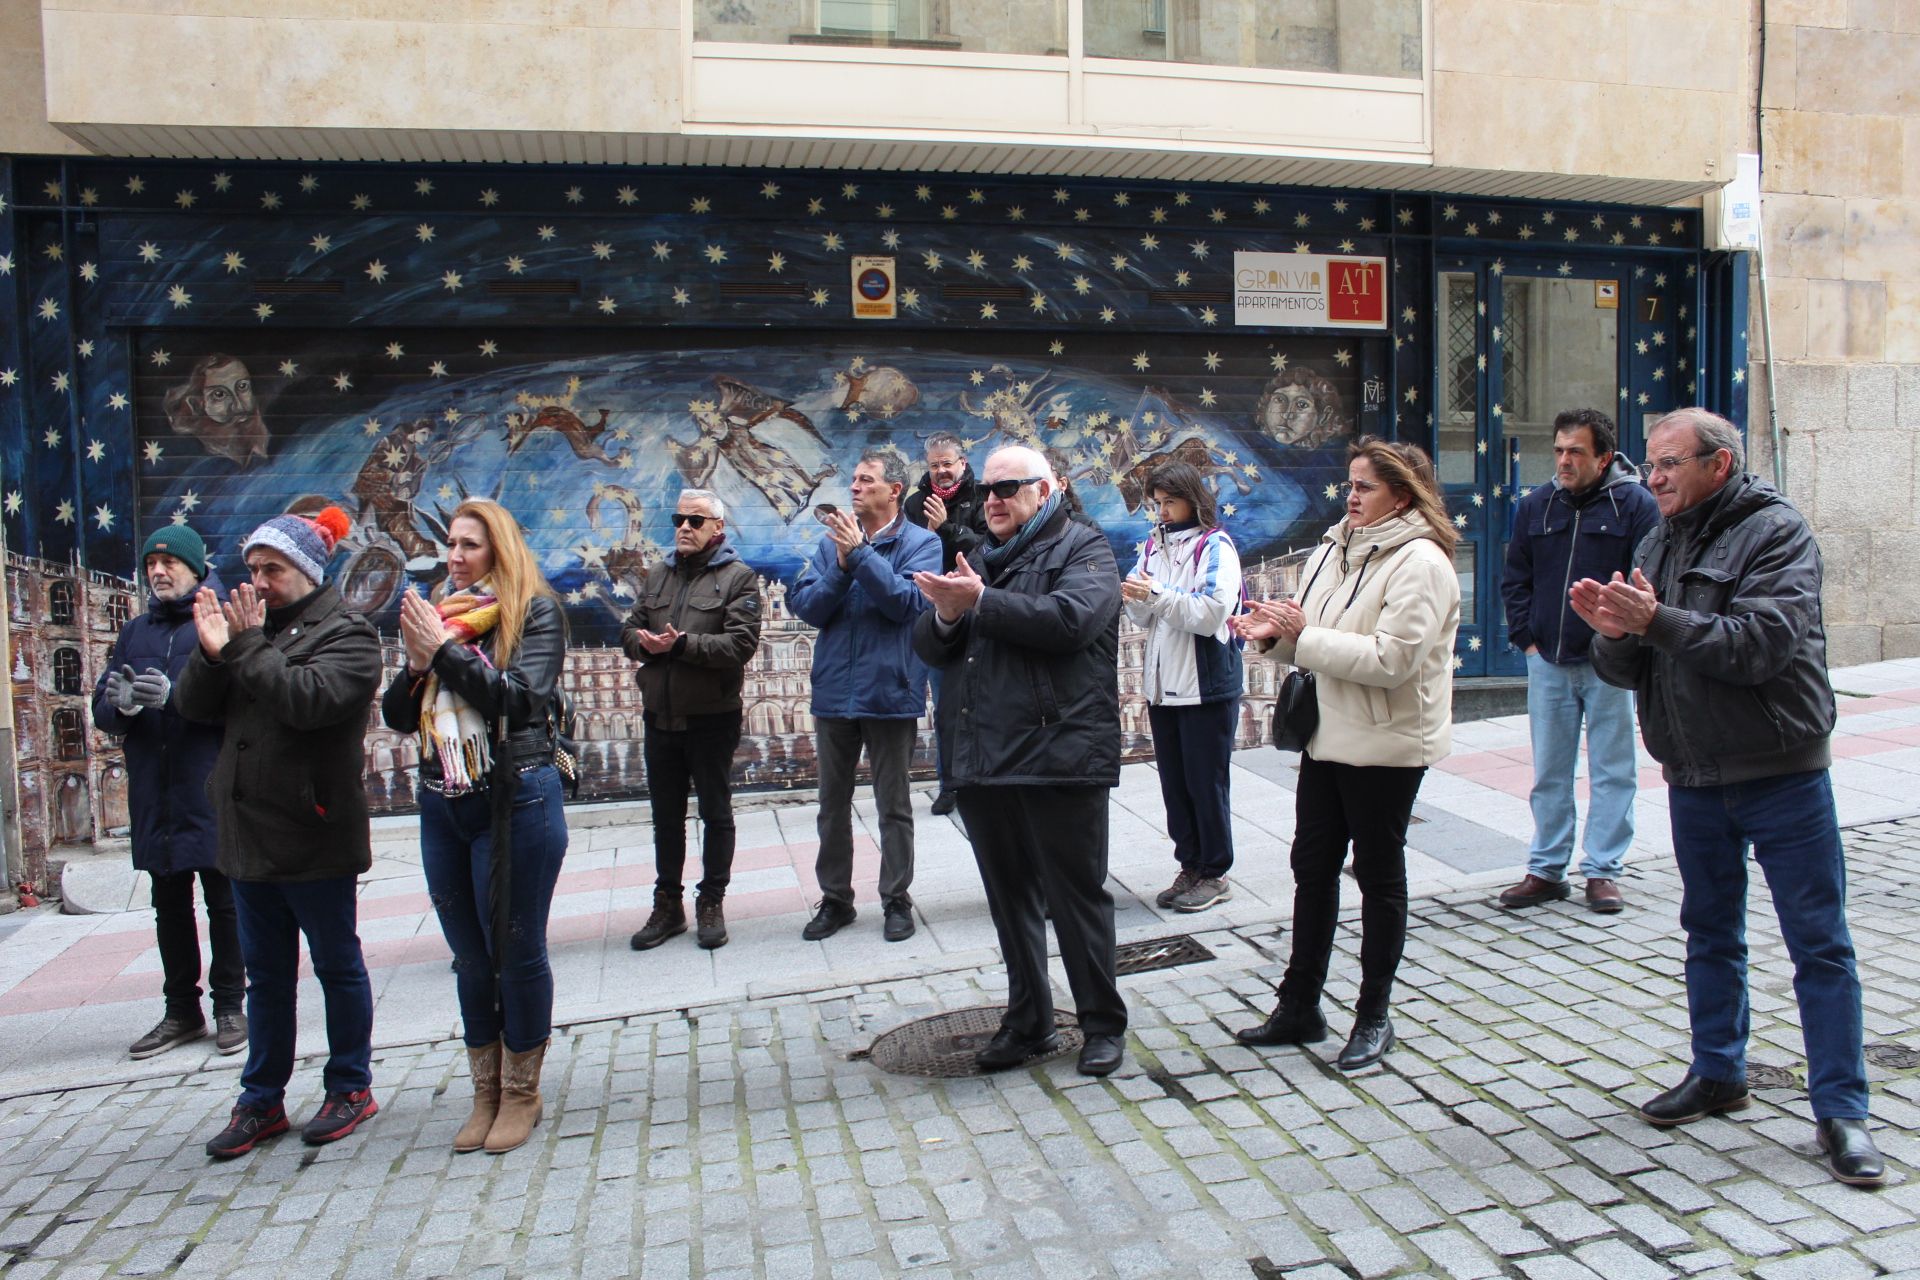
{"x": 1031, "y": 695}
{"x": 1731, "y": 678}
{"x": 295, "y": 696}
{"x": 965, "y": 527}
{"x": 522, "y": 689}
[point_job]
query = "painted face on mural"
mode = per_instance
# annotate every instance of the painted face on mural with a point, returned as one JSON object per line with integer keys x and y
{"x": 689, "y": 540}
{"x": 168, "y": 577}
{"x": 216, "y": 405}
{"x": 1301, "y": 408}
{"x": 275, "y": 578}
{"x": 874, "y": 500}
{"x": 469, "y": 552}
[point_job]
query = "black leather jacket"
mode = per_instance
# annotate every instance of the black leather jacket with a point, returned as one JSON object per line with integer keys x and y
{"x": 1031, "y": 694}
{"x": 521, "y": 690}
{"x": 1731, "y": 678}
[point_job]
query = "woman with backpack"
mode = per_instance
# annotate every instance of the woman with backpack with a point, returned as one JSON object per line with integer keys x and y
{"x": 482, "y": 674}
{"x": 1183, "y": 589}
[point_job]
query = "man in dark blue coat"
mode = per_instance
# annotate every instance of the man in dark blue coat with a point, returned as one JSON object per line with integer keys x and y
{"x": 1585, "y": 524}
{"x": 168, "y": 760}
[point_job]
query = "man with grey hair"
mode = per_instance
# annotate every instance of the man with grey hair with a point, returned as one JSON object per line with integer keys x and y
{"x": 949, "y": 503}
{"x": 1030, "y": 708}
{"x": 1719, "y": 634}
{"x": 869, "y": 690}
{"x": 694, "y": 629}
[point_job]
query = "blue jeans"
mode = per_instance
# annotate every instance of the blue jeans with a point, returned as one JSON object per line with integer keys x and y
{"x": 272, "y": 916}
{"x": 456, "y": 852}
{"x": 1558, "y": 698}
{"x": 1795, "y": 836}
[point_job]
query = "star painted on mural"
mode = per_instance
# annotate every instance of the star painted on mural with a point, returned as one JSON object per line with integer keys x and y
{"x": 63, "y": 512}
{"x": 1216, "y": 216}
{"x": 1498, "y": 411}
{"x": 361, "y": 202}
{"x": 1546, "y": 217}
{"x": 1199, "y": 249}
{"x": 976, "y": 260}
{"x": 818, "y": 297}
{"x": 149, "y": 252}
{"x": 233, "y": 262}
{"x": 1301, "y": 246}
{"x": 49, "y": 309}
{"x": 288, "y": 368}
{"x": 189, "y": 500}
{"x": 1526, "y": 233}
{"x": 1413, "y": 394}
{"x": 607, "y": 305}
{"x": 948, "y": 212}
{"x": 1083, "y": 215}
{"x": 9, "y": 377}
{"x": 6, "y": 264}
{"x": 715, "y": 254}
{"x": 489, "y": 198}
{"x": 13, "y": 502}
{"x": 136, "y": 184}
{"x": 118, "y": 400}
{"x": 263, "y": 311}
{"x": 602, "y": 250}
{"x": 1619, "y": 237}
{"x": 185, "y": 199}
{"x": 54, "y": 252}
{"x": 1566, "y": 268}
{"x": 95, "y": 451}
{"x": 1207, "y": 399}
{"x": 578, "y": 195}
{"x": 681, "y": 297}
{"x": 321, "y": 244}
{"x": 931, "y": 259}
{"x": 451, "y": 281}
{"x": 1279, "y": 361}
{"x": 1640, "y": 347}
{"x": 546, "y": 233}
{"x": 152, "y": 451}
{"x": 1570, "y": 235}
{"x": 777, "y": 263}
{"x": 910, "y": 299}
{"x": 269, "y": 200}
{"x": 89, "y": 272}
{"x": 988, "y": 311}
{"x": 1346, "y": 246}
{"x": 51, "y": 437}
{"x": 1659, "y": 375}
{"x": 661, "y": 250}
{"x": 1140, "y": 362}
{"x": 516, "y": 265}
{"x": 395, "y": 351}
{"x": 1659, "y": 337}
{"x": 342, "y": 382}
{"x": 890, "y": 238}
{"x": 451, "y": 415}
{"x": 830, "y": 242}
{"x": 1056, "y": 348}
{"x": 1209, "y": 316}
{"x": 438, "y": 369}
{"x": 1064, "y": 251}
{"x": 161, "y": 357}
{"x": 61, "y": 381}
{"x": 489, "y": 348}
{"x": 1108, "y": 315}
{"x": 1739, "y": 377}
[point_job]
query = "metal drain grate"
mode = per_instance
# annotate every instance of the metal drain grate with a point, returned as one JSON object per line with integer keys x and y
{"x": 1894, "y": 1057}
{"x": 1764, "y": 1077}
{"x": 943, "y": 1045}
{"x": 1158, "y": 953}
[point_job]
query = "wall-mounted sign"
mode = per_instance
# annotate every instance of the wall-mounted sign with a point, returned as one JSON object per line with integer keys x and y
{"x": 873, "y": 296}
{"x": 1323, "y": 291}
{"x": 1606, "y": 295}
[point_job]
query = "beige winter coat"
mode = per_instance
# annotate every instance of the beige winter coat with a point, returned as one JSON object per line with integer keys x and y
{"x": 1382, "y": 606}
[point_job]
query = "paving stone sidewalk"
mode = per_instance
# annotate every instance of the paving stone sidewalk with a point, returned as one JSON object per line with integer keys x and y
{"x": 740, "y": 1140}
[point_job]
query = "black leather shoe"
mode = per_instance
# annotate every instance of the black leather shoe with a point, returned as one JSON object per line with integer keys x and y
{"x": 898, "y": 915}
{"x": 830, "y": 919}
{"x": 1851, "y": 1155}
{"x": 1009, "y": 1049}
{"x": 1694, "y": 1098}
{"x": 943, "y": 804}
{"x": 1289, "y": 1024}
{"x": 1101, "y": 1054}
{"x": 1372, "y": 1037}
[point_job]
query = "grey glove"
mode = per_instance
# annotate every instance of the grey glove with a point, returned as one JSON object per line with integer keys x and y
{"x": 120, "y": 691}
{"x": 151, "y": 687}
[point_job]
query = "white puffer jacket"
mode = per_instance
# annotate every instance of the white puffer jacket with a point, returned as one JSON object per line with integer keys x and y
{"x": 1382, "y": 606}
{"x": 1197, "y": 572}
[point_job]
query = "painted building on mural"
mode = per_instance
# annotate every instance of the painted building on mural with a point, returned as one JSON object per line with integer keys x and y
{"x": 714, "y": 262}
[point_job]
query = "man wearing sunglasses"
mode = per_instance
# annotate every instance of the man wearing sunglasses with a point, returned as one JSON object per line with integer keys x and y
{"x": 869, "y": 690}
{"x": 1028, "y": 640}
{"x": 1719, "y": 634}
{"x": 695, "y": 627}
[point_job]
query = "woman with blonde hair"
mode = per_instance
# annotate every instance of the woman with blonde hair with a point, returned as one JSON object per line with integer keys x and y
{"x": 1375, "y": 625}
{"x": 483, "y": 663}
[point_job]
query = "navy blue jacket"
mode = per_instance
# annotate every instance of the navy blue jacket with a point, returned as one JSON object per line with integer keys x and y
{"x": 1560, "y": 538}
{"x": 864, "y": 666}
{"x": 168, "y": 756}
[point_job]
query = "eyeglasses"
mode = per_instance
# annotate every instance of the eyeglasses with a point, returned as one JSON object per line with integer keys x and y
{"x": 1361, "y": 487}
{"x": 692, "y": 522}
{"x": 1671, "y": 464}
{"x": 1004, "y": 489}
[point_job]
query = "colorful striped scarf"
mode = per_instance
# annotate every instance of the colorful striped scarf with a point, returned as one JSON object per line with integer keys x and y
{"x": 451, "y": 731}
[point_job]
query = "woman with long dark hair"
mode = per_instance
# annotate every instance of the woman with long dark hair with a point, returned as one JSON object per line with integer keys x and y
{"x": 1183, "y": 590}
{"x": 1375, "y": 624}
{"x": 489, "y": 647}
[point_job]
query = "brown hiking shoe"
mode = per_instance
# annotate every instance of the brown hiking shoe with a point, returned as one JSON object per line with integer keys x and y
{"x": 1181, "y": 883}
{"x": 712, "y": 922}
{"x": 1533, "y": 891}
{"x": 669, "y": 918}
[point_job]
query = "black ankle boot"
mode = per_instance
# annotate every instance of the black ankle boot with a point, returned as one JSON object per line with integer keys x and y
{"x": 1372, "y": 1037}
{"x": 1292, "y": 1022}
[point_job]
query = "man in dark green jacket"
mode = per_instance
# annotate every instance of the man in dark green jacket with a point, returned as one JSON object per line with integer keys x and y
{"x": 292, "y": 674}
{"x": 693, "y": 632}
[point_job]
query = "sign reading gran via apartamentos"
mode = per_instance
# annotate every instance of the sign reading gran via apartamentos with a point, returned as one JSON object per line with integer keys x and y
{"x": 1310, "y": 289}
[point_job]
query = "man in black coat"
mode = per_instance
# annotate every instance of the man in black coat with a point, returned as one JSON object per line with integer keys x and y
{"x": 1030, "y": 712}
{"x": 168, "y": 760}
{"x": 950, "y": 503}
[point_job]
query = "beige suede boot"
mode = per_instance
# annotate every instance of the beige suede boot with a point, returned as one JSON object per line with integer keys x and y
{"x": 485, "y": 1065}
{"x": 520, "y": 1105}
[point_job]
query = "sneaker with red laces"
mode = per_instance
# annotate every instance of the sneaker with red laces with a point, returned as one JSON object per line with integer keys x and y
{"x": 246, "y": 1126}
{"x": 339, "y": 1116}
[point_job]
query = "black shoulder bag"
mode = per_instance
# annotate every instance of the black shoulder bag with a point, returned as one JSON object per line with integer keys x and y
{"x": 1296, "y": 708}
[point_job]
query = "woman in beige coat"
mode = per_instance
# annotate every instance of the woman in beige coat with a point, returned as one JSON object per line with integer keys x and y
{"x": 1375, "y": 624}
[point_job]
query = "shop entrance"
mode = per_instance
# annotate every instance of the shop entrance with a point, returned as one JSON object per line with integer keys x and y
{"x": 1518, "y": 342}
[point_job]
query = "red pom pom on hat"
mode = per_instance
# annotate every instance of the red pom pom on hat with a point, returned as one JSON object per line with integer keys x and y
{"x": 333, "y": 525}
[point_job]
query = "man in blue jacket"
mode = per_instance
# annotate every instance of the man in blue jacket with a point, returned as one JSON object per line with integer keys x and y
{"x": 168, "y": 760}
{"x": 869, "y": 688}
{"x": 1583, "y": 525}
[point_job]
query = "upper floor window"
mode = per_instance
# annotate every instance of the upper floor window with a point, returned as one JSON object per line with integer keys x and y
{"x": 60, "y": 603}
{"x": 69, "y": 735}
{"x": 119, "y": 610}
{"x": 1347, "y": 37}
{"x": 974, "y": 26}
{"x": 66, "y": 670}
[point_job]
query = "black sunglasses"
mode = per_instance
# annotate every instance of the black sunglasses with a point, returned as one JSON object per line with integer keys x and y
{"x": 680, "y": 517}
{"x": 1004, "y": 489}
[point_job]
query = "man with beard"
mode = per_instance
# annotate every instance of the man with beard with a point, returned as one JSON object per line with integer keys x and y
{"x": 948, "y": 502}
{"x": 216, "y": 406}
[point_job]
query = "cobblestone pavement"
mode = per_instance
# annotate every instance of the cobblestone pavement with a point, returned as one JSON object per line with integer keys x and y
{"x": 740, "y": 1140}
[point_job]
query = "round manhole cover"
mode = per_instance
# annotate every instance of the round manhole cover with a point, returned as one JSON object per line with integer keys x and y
{"x": 1764, "y": 1077}
{"x": 1894, "y": 1057}
{"x": 944, "y": 1044}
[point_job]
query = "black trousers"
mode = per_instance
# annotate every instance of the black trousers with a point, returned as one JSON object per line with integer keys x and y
{"x": 179, "y": 940}
{"x": 1368, "y": 807}
{"x": 698, "y": 758}
{"x": 1193, "y": 752}
{"x": 1041, "y": 846}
